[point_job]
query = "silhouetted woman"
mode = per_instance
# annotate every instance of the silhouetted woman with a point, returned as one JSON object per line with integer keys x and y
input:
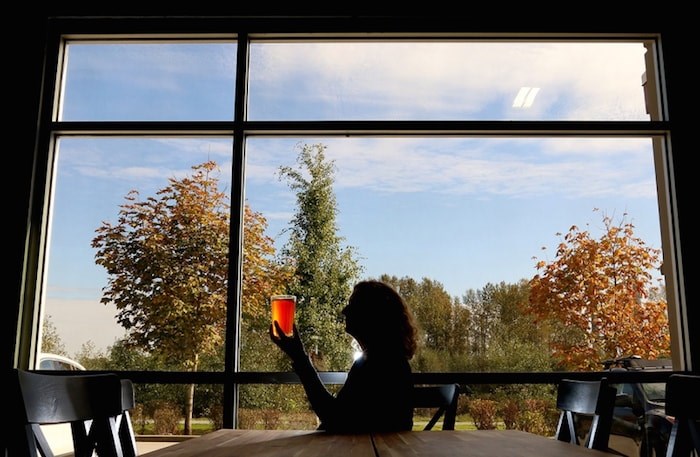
{"x": 376, "y": 395}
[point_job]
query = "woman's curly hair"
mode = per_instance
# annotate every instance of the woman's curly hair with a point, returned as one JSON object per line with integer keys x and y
{"x": 390, "y": 323}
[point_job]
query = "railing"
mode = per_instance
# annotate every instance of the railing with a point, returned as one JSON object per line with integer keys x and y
{"x": 283, "y": 377}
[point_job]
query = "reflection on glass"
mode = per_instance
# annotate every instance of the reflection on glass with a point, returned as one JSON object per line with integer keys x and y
{"x": 468, "y": 80}
{"x": 92, "y": 181}
{"x": 146, "y": 82}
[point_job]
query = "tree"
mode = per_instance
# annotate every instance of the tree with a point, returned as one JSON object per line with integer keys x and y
{"x": 167, "y": 260}
{"x": 598, "y": 300}
{"x": 442, "y": 322}
{"x": 324, "y": 269}
{"x": 50, "y": 339}
{"x": 263, "y": 276}
{"x": 91, "y": 357}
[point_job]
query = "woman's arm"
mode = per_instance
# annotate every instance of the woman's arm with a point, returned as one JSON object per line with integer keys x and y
{"x": 321, "y": 400}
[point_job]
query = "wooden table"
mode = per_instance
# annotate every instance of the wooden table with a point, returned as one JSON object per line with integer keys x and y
{"x": 305, "y": 443}
{"x": 270, "y": 443}
{"x": 477, "y": 443}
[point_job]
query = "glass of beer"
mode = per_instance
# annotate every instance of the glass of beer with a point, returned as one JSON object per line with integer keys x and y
{"x": 283, "y": 307}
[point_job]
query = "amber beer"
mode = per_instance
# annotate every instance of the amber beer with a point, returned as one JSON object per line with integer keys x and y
{"x": 283, "y": 307}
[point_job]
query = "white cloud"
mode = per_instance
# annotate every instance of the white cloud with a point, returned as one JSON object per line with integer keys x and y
{"x": 402, "y": 80}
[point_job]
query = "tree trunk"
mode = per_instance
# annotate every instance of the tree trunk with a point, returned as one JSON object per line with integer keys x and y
{"x": 190, "y": 402}
{"x": 188, "y": 410}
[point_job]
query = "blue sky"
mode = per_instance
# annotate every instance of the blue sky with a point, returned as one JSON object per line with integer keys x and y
{"x": 462, "y": 211}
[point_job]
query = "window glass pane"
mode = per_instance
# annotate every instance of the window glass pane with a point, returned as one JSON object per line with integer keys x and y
{"x": 161, "y": 264}
{"x": 468, "y": 80}
{"x": 146, "y": 82}
{"x": 456, "y": 223}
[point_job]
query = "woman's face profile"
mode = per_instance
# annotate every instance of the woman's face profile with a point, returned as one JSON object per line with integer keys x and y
{"x": 353, "y": 317}
{"x": 348, "y": 313}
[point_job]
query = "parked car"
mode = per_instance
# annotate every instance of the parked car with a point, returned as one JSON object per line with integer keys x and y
{"x": 640, "y": 425}
{"x": 58, "y": 362}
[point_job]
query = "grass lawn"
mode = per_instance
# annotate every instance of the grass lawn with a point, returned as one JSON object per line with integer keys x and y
{"x": 462, "y": 423}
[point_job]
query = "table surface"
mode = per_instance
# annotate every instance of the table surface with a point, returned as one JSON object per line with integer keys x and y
{"x": 305, "y": 443}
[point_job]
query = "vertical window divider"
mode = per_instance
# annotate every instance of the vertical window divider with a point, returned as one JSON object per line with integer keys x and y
{"x": 233, "y": 327}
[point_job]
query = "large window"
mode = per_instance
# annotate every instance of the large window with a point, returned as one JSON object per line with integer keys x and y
{"x": 182, "y": 173}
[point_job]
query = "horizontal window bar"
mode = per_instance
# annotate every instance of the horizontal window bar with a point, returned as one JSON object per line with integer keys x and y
{"x": 201, "y": 377}
{"x": 544, "y": 128}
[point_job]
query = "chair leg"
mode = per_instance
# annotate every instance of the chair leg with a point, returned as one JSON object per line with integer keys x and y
{"x": 83, "y": 446}
{"x": 678, "y": 444}
{"x": 127, "y": 436}
{"x": 566, "y": 429}
{"x": 105, "y": 434}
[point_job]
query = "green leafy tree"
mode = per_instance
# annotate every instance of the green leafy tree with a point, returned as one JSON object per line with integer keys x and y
{"x": 263, "y": 275}
{"x": 484, "y": 315}
{"x": 515, "y": 342}
{"x": 443, "y": 323}
{"x": 324, "y": 269}
{"x": 91, "y": 357}
{"x": 51, "y": 341}
{"x": 598, "y": 298}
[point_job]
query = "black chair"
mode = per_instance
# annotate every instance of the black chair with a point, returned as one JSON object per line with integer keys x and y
{"x": 96, "y": 407}
{"x": 683, "y": 403}
{"x": 579, "y": 402}
{"x": 444, "y": 398}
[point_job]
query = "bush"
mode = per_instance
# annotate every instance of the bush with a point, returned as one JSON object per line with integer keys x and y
{"x": 510, "y": 411}
{"x": 138, "y": 419}
{"x": 166, "y": 419}
{"x": 272, "y": 419}
{"x": 483, "y": 413}
{"x": 532, "y": 415}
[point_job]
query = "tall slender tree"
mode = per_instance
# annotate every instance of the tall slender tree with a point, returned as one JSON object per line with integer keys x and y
{"x": 324, "y": 268}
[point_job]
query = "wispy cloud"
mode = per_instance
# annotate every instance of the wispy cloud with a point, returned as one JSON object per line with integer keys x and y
{"x": 516, "y": 168}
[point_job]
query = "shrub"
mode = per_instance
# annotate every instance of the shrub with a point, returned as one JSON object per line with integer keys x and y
{"x": 166, "y": 419}
{"x": 510, "y": 411}
{"x": 537, "y": 416}
{"x": 483, "y": 413}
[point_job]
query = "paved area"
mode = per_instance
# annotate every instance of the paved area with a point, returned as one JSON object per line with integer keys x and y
{"x": 144, "y": 447}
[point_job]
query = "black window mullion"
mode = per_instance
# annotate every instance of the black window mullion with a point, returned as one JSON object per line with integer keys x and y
{"x": 233, "y": 317}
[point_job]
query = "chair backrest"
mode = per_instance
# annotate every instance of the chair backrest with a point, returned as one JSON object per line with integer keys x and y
{"x": 683, "y": 403}
{"x": 443, "y": 398}
{"x": 591, "y": 399}
{"x": 95, "y": 405}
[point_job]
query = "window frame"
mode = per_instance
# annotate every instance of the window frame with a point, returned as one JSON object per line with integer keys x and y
{"x": 244, "y": 31}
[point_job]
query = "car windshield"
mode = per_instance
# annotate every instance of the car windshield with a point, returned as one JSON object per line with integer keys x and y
{"x": 655, "y": 391}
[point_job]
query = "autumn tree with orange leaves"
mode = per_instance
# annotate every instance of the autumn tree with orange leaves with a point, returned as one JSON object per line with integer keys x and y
{"x": 597, "y": 299}
{"x": 167, "y": 259}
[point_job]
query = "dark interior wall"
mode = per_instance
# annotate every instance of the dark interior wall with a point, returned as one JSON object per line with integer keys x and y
{"x": 23, "y": 85}
{"x": 25, "y": 89}
{"x": 681, "y": 95}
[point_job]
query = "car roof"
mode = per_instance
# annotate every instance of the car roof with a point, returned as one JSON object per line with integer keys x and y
{"x": 637, "y": 363}
{"x": 45, "y": 356}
